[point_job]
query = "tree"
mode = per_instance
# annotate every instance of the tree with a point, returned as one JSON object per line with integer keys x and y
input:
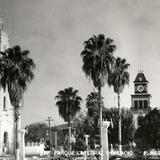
{"x": 86, "y": 125}
{"x": 81, "y": 128}
{"x": 147, "y": 135}
{"x": 16, "y": 70}
{"x": 68, "y": 103}
{"x": 98, "y": 61}
{"x": 79, "y": 145}
{"x": 93, "y": 115}
{"x": 112, "y": 114}
{"x": 119, "y": 78}
{"x": 36, "y": 132}
{"x": 92, "y": 105}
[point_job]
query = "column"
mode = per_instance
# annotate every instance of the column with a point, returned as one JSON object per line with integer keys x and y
{"x": 23, "y": 131}
{"x": 86, "y": 140}
{"x": 105, "y": 125}
{"x": 55, "y": 138}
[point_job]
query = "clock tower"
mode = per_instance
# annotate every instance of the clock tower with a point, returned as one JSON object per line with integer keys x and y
{"x": 140, "y": 100}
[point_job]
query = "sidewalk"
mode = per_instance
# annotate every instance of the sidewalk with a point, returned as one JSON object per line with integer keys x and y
{"x": 7, "y": 158}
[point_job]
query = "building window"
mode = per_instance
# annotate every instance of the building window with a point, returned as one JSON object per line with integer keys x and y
{"x": 135, "y": 104}
{"x": 5, "y": 139}
{"x": 4, "y": 103}
{"x": 145, "y": 104}
{"x": 140, "y": 104}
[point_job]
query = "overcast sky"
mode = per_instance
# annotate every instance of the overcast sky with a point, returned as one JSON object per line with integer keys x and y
{"x": 54, "y": 32}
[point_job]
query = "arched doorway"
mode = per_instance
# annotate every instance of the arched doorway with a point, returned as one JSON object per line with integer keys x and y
{"x": 5, "y": 142}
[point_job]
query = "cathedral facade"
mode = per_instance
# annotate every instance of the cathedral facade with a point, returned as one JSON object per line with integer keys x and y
{"x": 140, "y": 100}
{"x": 6, "y": 109}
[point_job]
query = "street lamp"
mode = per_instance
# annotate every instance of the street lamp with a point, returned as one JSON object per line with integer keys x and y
{"x": 105, "y": 125}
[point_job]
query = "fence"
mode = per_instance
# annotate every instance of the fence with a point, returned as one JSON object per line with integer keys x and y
{"x": 36, "y": 148}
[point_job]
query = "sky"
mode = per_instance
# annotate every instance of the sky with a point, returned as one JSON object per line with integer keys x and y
{"x": 54, "y": 32}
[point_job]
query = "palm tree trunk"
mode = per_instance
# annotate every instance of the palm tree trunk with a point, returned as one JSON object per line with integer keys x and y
{"x": 100, "y": 121}
{"x": 17, "y": 132}
{"x": 120, "y": 132}
{"x": 69, "y": 135}
{"x": 69, "y": 138}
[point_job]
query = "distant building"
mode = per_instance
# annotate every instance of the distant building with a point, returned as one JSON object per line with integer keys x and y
{"x": 140, "y": 100}
{"x": 6, "y": 109}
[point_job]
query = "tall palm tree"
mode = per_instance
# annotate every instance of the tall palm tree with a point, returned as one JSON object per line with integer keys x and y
{"x": 16, "y": 72}
{"x": 68, "y": 103}
{"x": 119, "y": 78}
{"x": 98, "y": 61}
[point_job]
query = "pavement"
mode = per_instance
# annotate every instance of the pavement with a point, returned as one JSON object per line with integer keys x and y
{"x": 7, "y": 158}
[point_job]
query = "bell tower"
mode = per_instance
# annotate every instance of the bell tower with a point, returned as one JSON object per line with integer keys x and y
{"x": 6, "y": 109}
{"x": 4, "y": 41}
{"x": 140, "y": 100}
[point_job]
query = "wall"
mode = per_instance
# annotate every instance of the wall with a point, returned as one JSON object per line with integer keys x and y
{"x": 35, "y": 149}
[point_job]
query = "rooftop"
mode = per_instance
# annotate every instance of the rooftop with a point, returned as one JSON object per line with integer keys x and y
{"x": 140, "y": 77}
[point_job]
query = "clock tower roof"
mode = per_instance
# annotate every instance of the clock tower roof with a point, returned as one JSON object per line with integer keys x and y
{"x": 140, "y": 77}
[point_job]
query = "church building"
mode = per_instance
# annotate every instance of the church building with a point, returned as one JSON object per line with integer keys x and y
{"x": 140, "y": 100}
{"x": 6, "y": 109}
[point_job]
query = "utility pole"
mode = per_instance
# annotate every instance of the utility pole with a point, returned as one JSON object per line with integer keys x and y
{"x": 49, "y": 124}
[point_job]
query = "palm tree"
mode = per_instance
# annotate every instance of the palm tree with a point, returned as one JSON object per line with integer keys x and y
{"x": 119, "y": 78}
{"x": 16, "y": 72}
{"x": 92, "y": 104}
{"x": 68, "y": 103}
{"x": 98, "y": 61}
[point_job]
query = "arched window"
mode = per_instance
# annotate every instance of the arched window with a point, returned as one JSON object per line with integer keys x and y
{"x": 4, "y": 103}
{"x": 5, "y": 139}
{"x": 5, "y": 143}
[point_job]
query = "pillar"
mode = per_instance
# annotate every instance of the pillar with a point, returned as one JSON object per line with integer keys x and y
{"x": 55, "y": 138}
{"x": 23, "y": 131}
{"x": 86, "y": 140}
{"x": 105, "y": 125}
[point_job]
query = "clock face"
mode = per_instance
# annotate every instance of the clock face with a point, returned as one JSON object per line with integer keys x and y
{"x": 140, "y": 88}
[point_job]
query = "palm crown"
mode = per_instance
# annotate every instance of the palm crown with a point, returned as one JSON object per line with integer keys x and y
{"x": 120, "y": 76}
{"x": 16, "y": 70}
{"x": 68, "y": 103}
{"x": 98, "y": 59}
{"x": 92, "y": 104}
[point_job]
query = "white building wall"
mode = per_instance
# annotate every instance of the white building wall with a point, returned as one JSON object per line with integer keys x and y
{"x": 7, "y": 112}
{"x": 6, "y": 123}
{"x": 4, "y": 41}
